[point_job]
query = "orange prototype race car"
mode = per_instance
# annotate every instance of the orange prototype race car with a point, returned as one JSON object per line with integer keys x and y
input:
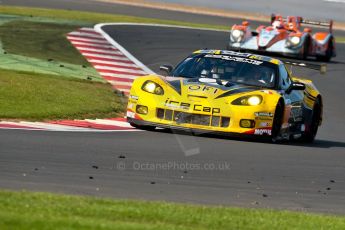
{"x": 284, "y": 36}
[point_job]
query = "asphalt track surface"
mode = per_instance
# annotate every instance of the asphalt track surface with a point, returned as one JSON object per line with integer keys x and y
{"x": 317, "y": 9}
{"x": 152, "y": 165}
{"x": 111, "y": 8}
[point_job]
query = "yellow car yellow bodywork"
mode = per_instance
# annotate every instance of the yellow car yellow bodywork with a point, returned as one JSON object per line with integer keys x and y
{"x": 204, "y": 104}
{"x": 200, "y": 99}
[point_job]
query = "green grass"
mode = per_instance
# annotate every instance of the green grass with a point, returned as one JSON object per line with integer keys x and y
{"x": 39, "y": 97}
{"x": 40, "y": 40}
{"x": 91, "y": 17}
{"x": 340, "y": 39}
{"x": 24, "y": 210}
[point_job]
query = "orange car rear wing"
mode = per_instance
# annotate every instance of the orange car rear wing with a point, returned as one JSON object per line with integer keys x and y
{"x": 302, "y": 20}
{"x": 328, "y": 24}
{"x": 322, "y": 67}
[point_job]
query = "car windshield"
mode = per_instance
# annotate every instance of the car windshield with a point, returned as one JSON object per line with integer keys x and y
{"x": 230, "y": 68}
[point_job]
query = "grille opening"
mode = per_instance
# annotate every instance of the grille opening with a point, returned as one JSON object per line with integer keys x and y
{"x": 160, "y": 113}
{"x": 192, "y": 118}
{"x": 198, "y": 119}
{"x": 225, "y": 121}
{"x": 168, "y": 114}
{"x": 215, "y": 121}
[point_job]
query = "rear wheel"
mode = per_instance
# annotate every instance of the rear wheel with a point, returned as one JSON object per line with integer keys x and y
{"x": 277, "y": 121}
{"x": 309, "y": 135}
{"x": 329, "y": 53}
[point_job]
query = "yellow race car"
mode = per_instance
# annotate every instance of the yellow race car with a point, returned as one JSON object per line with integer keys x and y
{"x": 227, "y": 92}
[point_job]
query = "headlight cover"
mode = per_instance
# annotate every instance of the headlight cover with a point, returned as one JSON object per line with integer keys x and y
{"x": 236, "y": 35}
{"x": 252, "y": 100}
{"x": 152, "y": 87}
{"x": 293, "y": 41}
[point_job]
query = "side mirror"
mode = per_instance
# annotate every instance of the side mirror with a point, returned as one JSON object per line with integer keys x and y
{"x": 166, "y": 69}
{"x": 295, "y": 86}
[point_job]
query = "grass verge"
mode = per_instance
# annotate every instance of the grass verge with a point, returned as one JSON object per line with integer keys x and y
{"x": 40, "y": 40}
{"x": 37, "y": 97}
{"x": 94, "y": 17}
{"x": 25, "y": 210}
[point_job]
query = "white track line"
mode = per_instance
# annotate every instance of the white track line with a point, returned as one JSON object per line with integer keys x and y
{"x": 335, "y": 1}
{"x": 80, "y": 34}
{"x": 93, "y": 45}
{"x": 56, "y": 127}
{"x": 96, "y": 61}
{"x": 87, "y": 29}
{"x": 95, "y": 56}
{"x": 98, "y": 50}
{"x": 98, "y": 28}
{"x": 118, "y": 75}
{"x": 80, "y": 39}
{"x": 111, "y": 122}
{"x": 132, "y": 71}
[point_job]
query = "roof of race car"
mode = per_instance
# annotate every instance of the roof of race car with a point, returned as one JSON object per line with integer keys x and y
{"x": 238, "y": 54}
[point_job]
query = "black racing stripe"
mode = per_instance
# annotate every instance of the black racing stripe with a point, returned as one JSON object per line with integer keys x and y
{"x": 235, "y": 91}
{"x": 196, "y": 81}
{"x": 176, "y": 85}
{"x": 311, "y": 98}
{"x": 309, "y": 95}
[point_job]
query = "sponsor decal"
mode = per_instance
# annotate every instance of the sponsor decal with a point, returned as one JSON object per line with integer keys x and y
{"x": 263, "y": 132}
{"x": 229, "y": 52}
{"x": 134, "y": 97}
{"x": 265, "y": 124}
{"x": 202, "y": 88}
{"x": 186, "y": 106}
{"x": 233, "y": 58}
{"x": 267, "y": 91}
{"x": 264, "y": 114}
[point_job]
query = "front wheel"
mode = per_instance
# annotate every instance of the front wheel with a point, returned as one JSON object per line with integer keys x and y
{"x": 309, "y": 135}
{"x": 277, "y": 121}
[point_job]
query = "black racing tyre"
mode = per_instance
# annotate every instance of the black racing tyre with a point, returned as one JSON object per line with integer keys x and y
{"x": 309, "y": 135}
{"x": 143, "y": 127}
{"x": 329, "y": 53}
{"x": 306, "y": 49}
{"x": 277, "y": 121}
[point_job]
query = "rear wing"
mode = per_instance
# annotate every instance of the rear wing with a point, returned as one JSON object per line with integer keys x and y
{"x": 305, "y": 21}
{"x": 328, "y": 24}
{"x": 319, "y": 67}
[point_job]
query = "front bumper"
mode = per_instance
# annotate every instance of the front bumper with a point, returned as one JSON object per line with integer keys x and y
{"x": 196, "y": 131}
{"x": 228, "y": 122}
{"x": 277, "y": 48}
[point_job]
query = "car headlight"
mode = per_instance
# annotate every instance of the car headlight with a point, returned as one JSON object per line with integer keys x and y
{"x": 248, "y": 100}
{"x": 293, "y": 41}
{"x": 236, "y": 35}
{"x": 152, "y": 87}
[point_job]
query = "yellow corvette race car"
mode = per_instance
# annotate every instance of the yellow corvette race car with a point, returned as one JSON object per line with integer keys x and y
{"x": 227, "y": 92}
